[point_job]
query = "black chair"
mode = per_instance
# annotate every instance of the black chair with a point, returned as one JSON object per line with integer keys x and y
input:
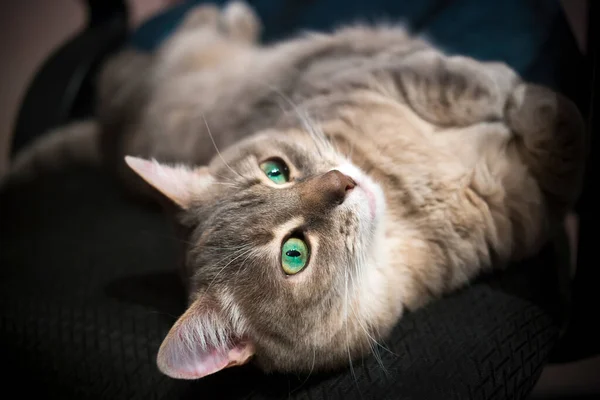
{"x": 88, "y": 288}
{"x": 63, "y": 88}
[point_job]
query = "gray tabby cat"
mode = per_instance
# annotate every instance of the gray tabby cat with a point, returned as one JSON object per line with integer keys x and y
{"x": 362, "y": 173}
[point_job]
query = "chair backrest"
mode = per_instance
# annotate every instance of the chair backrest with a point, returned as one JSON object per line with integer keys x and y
{"x": 63, "y": 87}
{"x": 581, "y": 339}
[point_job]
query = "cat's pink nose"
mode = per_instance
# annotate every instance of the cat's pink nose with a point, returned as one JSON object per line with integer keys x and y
{"x": 328, "y": 190}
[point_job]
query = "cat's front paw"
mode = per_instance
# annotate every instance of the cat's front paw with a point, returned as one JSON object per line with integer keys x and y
{"x": 237, "y": 21}
{"x": 204, "y": 16}
{"x": 241, "y": 22}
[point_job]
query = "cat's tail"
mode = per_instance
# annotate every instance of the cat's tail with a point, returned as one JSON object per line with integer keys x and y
{"x": 551, "y": 139}
{"x": 76, "y": 143}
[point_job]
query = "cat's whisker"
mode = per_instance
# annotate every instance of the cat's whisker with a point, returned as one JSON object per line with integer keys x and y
{"x": 373, "y": 343}
{"x": 347, "y": 155}
{"x": 234, "y": 249}
{"x": 326, "y": 143}
{"x": 228, "y": 179}
{"x": 309, "y": 372}
{"x": 336, "y": 148}
{"x": 358, "y": 317}
{"x": 387, "y": 349}
{"x": 237, "y": 273}
{"x": 312, "y": 367}
{"x": 222, "y": 269}
{"x": 347, "y": 335}
{"x": 212, "y": 139}
{"x": 316, "y": 134}
{"x": 310, "y": 127}
{"x": 359, "y": 269}
{"x": 374, "y": 346}
{"x": 235, "y": 257}
{"x": 231, "y": 185}
{"x": 351, "y": 150}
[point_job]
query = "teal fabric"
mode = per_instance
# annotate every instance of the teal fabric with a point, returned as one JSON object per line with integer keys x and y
{"x": 513, "y": 31}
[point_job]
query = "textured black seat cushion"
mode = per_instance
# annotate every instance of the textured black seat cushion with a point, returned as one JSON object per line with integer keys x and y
{"x": 89, "y": 289}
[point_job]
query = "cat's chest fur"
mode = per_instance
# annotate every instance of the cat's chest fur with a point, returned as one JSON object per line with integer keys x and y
{"x": 426, "y": 173}
{"x": 405, "y": 153}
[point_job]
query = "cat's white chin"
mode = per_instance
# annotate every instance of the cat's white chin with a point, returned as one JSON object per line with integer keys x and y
{"x": 367, "y": 194}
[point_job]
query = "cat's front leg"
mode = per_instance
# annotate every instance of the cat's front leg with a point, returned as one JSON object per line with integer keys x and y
{"x": 453, "y": 91}
{"x": 236, "y": 21}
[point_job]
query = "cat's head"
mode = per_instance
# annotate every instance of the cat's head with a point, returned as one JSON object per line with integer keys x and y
{"x": 285, "y": 240}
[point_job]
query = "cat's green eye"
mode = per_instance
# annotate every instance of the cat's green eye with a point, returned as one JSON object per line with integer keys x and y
{"x": 294, "y": 256}
{"x": 276, "y": 170}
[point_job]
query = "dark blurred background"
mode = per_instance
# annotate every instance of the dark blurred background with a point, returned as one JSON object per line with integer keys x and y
{"x": 31, "y": 31}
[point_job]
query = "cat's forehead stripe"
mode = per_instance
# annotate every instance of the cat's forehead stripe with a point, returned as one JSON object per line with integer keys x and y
{"x": 296, "y": 153}
{"x": 300, "y": 159}
{"x": 288, "y": 226}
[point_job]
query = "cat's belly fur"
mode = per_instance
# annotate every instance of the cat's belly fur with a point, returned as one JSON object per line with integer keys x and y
{"x": 262, "y": 88}
{"x": 251, "y": 89}
{"x": 359, "y": 86}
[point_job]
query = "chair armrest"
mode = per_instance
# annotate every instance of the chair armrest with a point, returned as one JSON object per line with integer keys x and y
{"x": 62, "y": 89}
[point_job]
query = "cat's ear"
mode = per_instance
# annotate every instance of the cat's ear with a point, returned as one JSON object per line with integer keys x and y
{"x": 178, "y": 183}
{"x": 201, "y": 343}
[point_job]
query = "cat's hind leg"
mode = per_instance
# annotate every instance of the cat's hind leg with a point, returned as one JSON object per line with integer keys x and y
{"x": 531, "y": 175}
{"x": 550, "y": 138}
{"x": 547, "y": 129}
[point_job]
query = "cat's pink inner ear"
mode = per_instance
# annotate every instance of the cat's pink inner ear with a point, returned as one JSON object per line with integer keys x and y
{"x": 189, "y": 351}
{"x": 178, "y": 183}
